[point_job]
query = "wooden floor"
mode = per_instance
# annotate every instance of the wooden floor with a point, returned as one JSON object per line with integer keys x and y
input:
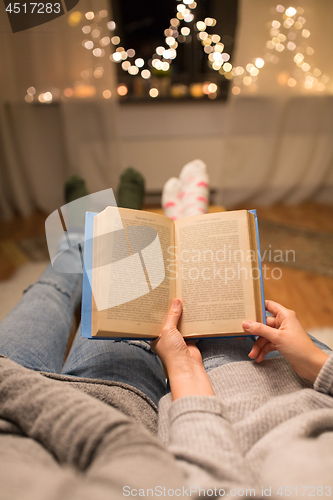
{"x": 309, "y": 294}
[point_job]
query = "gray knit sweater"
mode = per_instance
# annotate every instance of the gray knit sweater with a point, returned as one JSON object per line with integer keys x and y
{"x": 267, "y": 433}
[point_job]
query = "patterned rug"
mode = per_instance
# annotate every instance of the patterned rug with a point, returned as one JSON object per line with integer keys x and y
{"x": 298, "y": 248}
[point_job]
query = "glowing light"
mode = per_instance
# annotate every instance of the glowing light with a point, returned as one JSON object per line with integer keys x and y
{"x": 31, "y": 91}
{"x": 201, "y": 26}
{"x": 249, "y": 67}
{"x": 115, "y": 40}
{"x": 188, "y": 18}
{"x": 310, "y": 51}
{"x": 185, "y": 31}
{"x": 122, "y": 90}
{"x": 209, "y": 21}
{"x": 116, "y": 56}
{"x": 298, "y": 25}
{"x": 298, "y": 58}
{"x": 146, "y": 74}
{"x": 125, "y": 65}
{"x": 308, "y": 85}
{"x": 139, "y": 62}
{"x": 103, "y": 13}
{"x": 86, "y": 29}
{"x": 279, "y": 47}
{"x": 212, "y": 87}
{"x": 321, "y": 86}
{"x": 291, "y": 46}
{"x": 280, "y": 8}
{"x": 259, "y": 62}
{"x": 98, "y": 73}
{"x": 205, "y": 89}
{"x": 253, "y": 71}
{"x": 90, "y": 15}
{"x": 174, "y": 22}
{"x": 216, "y": 38}
{"x": 282, "y": 37}
{"x": 74, "y": 18}
{"x": 291, "y": 82}
{"x": 290, "y": 12}
{"x": 95, "y": 33}
{"x": 48, "y": 97}
{"x": 68, "y": 92}
{"x": 131, "y": 52}
{"x": 97, "y": 52}
{"x": 181, "y": 7}
{"x": 247, "y": 80}
{"x": 29, "y": 98}
{"x": 196, "y": 90}
{"x": 167, "y": 54}
{"x": 202, "y": 35}
{"x": 160, "y": 50}
{"x": 153, "y": 92}
{"x": 236, "y": 90}
{"x": 170, "y": 40}
{"x": 107, "y": 94}
{"x": 165, "y": 66}
{"x": 306, "y": 67}
{"x": 133, "y": 70}
{"x": 306, "y": 33}
{"x": 89, "y": 45}
{"x": 111, "y": 25}
{"x": 227, "y": 67}
{"x": 217, "y": 65}
{"x": 316, "y": 73}
{"x": 219, "y": 47}
{"x": 105, "y": 41}
{"x": 276, "y": 24}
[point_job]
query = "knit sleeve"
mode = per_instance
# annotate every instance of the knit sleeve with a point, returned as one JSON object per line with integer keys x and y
{"x": 324, "y": 380}
{"x": 205, "y": 444}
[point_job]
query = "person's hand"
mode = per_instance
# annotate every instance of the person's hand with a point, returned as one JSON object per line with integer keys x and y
{"x": 182, "y": 360}
{"x": 285, "y": 334}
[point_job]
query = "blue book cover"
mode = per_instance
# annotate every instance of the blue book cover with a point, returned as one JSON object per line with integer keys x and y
{"x": 86, "y": 314}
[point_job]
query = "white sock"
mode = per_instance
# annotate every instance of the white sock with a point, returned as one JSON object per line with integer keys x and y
{"x": 195, "y": 191}
{"x": 171, "y": 199}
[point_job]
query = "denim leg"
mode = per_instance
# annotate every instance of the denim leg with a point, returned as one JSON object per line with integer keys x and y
{"x": 129, "y": 362}
{"x": 36, "y": 332}
{"x": 221, "y": 351}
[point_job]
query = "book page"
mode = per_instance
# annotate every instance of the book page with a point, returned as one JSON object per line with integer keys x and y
{"x": 214, "y": 273}
{"x": 133, "y": 286}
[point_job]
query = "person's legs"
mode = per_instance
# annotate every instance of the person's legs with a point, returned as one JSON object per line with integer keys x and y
{"x": 36, "y": 332}
{"x": 221, "y": 351}
{"x": 130, "y": 362}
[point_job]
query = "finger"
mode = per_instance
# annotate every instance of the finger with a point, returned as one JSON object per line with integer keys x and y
{"x": 271, "y": 321}
{"x": 173, "y": 316}
{"x": 265, "y": 350}
{"x": 257, "y": 346}
{"x": 260, "y": 329}
{"x": 275, "y": 308}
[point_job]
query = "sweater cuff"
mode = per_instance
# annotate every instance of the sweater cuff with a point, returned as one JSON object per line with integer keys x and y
{"x": 205, "y": 404}
{"x": 324, "y": 380}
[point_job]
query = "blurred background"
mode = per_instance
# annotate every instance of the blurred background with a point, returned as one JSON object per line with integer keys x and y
{"x": 244, "y": 85}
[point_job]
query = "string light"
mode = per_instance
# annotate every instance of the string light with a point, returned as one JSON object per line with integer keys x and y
{"x": 292, "y": 21}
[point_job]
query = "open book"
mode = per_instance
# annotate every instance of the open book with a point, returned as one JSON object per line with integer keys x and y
{"x": 136, "y": 263}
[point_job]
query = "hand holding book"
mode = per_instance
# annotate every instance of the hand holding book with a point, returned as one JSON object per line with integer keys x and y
{"x": 285, "y": 334}
{"x": 182, "y": 360}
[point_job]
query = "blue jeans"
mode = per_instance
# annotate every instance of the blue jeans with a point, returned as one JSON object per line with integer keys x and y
{"x": 35, "y": 334}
